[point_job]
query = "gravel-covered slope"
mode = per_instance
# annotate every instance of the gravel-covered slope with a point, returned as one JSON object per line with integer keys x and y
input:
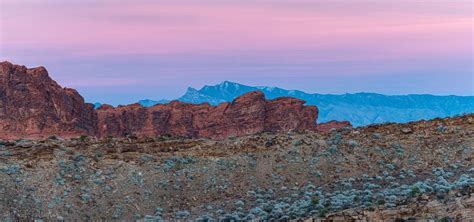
{"x": 382, "y": 172}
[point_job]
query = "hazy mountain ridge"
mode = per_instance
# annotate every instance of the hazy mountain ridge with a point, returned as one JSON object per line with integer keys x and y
{"x": 358, "y": 108}
{"x": 34, "y": 106}
{"x": 149, "y": 102}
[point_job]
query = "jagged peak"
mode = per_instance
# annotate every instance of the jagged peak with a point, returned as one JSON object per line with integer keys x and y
{"x": 191, "y": 89}
{"x": 226, "y": 82}
{"x": 223, "y": 85}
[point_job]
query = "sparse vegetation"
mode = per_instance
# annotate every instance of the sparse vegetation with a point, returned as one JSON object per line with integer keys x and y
{"x": 244, "y": 178}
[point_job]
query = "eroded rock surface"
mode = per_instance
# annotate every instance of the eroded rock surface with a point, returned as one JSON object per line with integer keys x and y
{"x": 33, "y": 105}
{"x": 248, "y": 114}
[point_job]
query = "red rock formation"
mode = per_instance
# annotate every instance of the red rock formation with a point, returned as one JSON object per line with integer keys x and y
{"x": 33, "y": 105}
{"x": 248, "y": 114}
{"x": 326, "y": 127}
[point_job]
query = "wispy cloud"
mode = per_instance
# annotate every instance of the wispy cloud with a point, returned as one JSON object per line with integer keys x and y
{"x": 129, "y": 43}
{"x": 108, "y": 27}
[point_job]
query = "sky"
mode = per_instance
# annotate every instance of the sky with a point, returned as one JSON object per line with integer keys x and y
{"x": 121, "y": 51}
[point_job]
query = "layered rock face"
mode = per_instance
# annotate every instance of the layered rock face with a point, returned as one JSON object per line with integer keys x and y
{"x": 34, "y": 105}
{"x": 248, "y": 114}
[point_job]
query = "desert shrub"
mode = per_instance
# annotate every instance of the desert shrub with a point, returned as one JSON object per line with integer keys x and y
{"x": 83, "y": 138}
{"x": 150, "y": 218}
{"x": 352, "y": 143}
{"x": 411, "y": 173}
{"x": 333, "y": 149}
{"x": 454, "y": 166}
{"x": 259, "y": 212}
{"x": 118, "y": 211}
{"x": 422, "y": 187}
{"x": 146, "y": 158}
{"x": 315, "y": 200}
{"x": 442, "y": 129}
{"x": 390, "y": 166}
{"x": 442, "y": 185}
{"x": 182, "y": 214}
{"x": 392, "y": 198}
{"x": 11, "y": 169}
{"x": 323, "y": 211}
{"x": 371, "y": 186}
{"x": 239, "y": 203}
{"x": 204, "y": 218}
{"x": 438, "y": 171}
{"x": 398, "y": 149}
{"x": 366, "y": 177}
{"x": 415, "y": 191}
{"x": 5, "y": 152}
{"x": 463, "y": 181}
{"x": 377, "y": 136}
{"x": 86, "y": 197}
{"x": 298, "y": 142}
{"x": 299, "y": 208}
{"x": 342, "y": 200}
{"x": 136, "y": 178}
{"x": 267, "y": 207}
{"x": 346, "y": 185}
{"x": 335, "y": 139}
{"x": 381, "y": 202}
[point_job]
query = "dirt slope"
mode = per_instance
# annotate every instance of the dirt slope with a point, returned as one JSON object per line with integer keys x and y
{"x": 421, "y": 170}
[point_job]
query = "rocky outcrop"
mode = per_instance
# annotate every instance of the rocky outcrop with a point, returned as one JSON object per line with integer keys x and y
{"x": 328, "y": 126}
{"x": 248, "y": 114}
{"x": 33, "y": 105}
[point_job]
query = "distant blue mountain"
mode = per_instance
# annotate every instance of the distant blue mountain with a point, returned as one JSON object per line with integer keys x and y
{"x": 144, "y": 102}
{"x": 97, "y": 105}
{"x": 358, "y": 108}
{"x": 148, "y": 102}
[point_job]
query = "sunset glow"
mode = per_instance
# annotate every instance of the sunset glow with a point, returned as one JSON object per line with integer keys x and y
{"x": 318, "y": 46}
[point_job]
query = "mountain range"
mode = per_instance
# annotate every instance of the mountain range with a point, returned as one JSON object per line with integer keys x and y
{"x": 358, "y": 108}
{"x": 33, "y": 105}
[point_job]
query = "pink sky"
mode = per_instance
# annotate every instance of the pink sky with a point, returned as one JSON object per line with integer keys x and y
{"x": 393, "y": 34}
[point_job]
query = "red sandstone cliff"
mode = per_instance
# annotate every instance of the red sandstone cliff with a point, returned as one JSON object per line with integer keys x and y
{"x": 248, "y": 114}
{"x": 34, "y": 105}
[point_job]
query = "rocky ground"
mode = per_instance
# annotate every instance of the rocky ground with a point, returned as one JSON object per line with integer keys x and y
{"x": 417, "y": 171}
